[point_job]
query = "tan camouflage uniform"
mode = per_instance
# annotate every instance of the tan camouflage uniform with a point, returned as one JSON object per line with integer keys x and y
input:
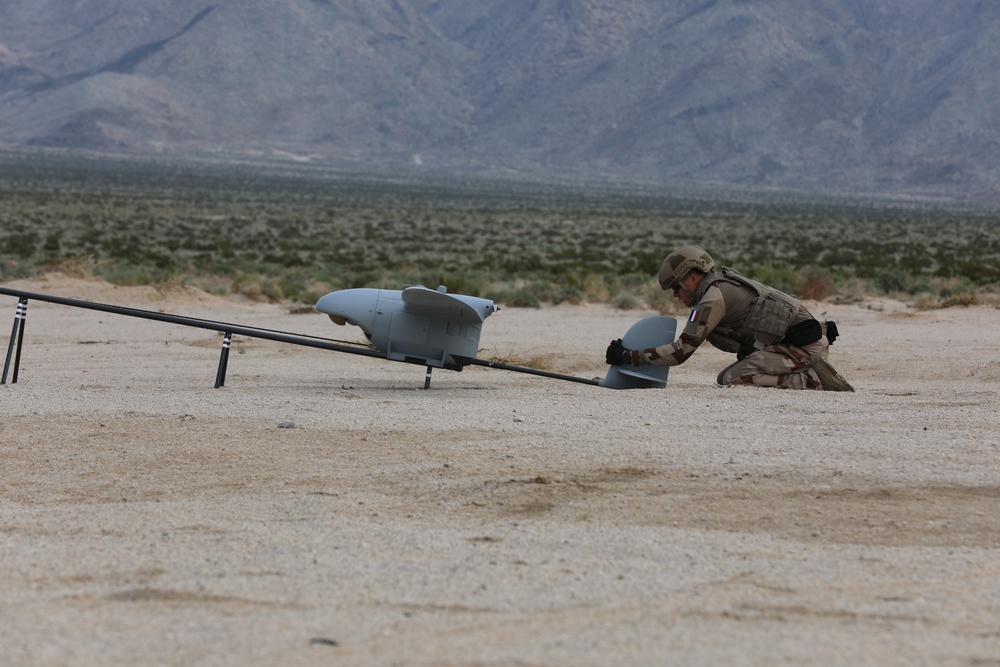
{"x": 719, "y": 317}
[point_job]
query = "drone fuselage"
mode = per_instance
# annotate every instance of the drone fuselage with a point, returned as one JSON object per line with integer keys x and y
{"x": 417, "y": 324}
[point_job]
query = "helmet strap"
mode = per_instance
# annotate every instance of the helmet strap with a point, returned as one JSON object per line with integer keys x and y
{"x": 707, "y": 280}
{"x": 684, "y": 288}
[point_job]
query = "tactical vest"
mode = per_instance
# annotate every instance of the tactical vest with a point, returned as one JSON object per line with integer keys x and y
{"x": 770, "y": 315}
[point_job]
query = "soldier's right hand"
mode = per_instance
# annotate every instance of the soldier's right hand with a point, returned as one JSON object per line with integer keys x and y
{"x": 615, "y": 352}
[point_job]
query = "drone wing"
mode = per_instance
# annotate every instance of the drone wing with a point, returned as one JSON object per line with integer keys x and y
{"x": 458, "y": 307}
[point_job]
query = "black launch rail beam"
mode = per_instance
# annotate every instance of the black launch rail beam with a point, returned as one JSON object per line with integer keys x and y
{"x": 228, "y": 330}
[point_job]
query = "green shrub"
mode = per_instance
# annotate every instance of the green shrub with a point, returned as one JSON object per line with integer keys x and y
{"x": 781, "y": 278}
{"x": 521, "y": 298}
{"x": 891, "y": 281}
{"x": 627, "y": 301}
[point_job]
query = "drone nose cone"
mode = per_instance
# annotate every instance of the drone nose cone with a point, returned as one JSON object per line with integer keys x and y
{"x": 356, "y": 306}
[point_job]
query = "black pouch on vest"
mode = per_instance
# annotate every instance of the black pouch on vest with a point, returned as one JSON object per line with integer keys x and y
{"x": 831, "y": 331}
{"x": 803, "y": 333}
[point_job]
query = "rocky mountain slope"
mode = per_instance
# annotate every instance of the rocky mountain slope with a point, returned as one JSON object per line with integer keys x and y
{"x": 834, "y": 95}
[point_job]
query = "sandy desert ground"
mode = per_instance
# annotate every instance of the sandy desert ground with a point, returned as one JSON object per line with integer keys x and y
{"x": 497, "y": 518}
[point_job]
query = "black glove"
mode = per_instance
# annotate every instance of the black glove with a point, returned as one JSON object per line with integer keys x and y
{"x": 616, "y": 352}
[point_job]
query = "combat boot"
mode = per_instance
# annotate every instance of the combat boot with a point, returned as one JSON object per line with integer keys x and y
{"x": 831, "y": 379}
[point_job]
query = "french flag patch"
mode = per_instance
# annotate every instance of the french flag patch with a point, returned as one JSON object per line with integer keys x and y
{"x": 694, "y": 315}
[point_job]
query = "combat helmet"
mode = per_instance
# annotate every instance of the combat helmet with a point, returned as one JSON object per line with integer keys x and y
{"x": 681, "y": 261}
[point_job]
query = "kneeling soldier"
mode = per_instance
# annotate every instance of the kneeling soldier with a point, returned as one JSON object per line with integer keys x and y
{"x": 777, "y": 342}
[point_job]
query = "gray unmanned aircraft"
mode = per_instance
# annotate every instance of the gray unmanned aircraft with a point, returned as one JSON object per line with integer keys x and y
{"x": 442, "y": 330}
{"x": 416, "y": 324}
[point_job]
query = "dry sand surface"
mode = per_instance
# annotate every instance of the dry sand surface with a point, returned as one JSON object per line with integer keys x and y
{"x": 497, "y": 518}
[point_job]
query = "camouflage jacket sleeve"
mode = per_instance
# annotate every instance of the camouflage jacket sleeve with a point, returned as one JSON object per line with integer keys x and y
{"x": 704, "y": 317}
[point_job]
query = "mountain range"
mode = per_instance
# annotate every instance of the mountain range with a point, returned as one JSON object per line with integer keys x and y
{"x": 896, "y": 97}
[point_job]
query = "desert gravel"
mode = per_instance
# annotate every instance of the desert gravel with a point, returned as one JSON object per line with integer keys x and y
{"x": 324, "y": 509}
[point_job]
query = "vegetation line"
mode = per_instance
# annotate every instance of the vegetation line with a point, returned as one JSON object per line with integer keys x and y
{"x": 274, "y": 233}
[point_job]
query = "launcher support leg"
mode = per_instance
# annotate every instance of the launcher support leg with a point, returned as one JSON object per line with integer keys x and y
{"x": 16, "y": 338}
{"x": 20, "y": 340}
{"x": 427, "y": 378}
{"x": 220, "y": 375}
